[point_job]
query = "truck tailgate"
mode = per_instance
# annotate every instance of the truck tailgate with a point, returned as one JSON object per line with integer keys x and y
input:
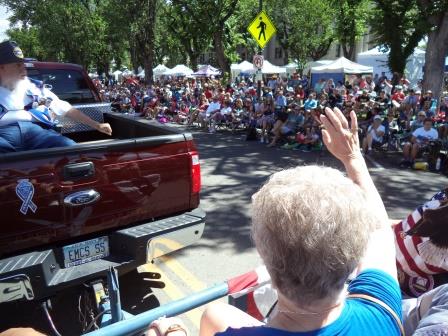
{"x": 93, "y": 188}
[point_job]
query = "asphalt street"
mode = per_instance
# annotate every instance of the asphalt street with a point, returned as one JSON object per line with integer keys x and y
{"x": 232, "y": 170}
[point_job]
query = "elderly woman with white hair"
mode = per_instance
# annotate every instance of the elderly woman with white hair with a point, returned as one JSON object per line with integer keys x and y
{"x": 315, "y": 228}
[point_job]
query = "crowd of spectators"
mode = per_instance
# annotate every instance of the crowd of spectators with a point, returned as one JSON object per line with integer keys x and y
{"x": 393, "y": 115}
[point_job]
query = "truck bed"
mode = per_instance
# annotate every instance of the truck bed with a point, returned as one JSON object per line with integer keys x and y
{"x": 141, "y": 173}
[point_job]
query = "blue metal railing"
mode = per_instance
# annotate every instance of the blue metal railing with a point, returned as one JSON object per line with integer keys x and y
{"x": 141, "y": 321}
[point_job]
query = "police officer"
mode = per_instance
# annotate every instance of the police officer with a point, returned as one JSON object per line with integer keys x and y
{"x": 26, "y": 108}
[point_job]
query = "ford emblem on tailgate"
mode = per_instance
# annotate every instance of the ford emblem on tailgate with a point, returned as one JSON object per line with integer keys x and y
{"x": 82, "y": 198}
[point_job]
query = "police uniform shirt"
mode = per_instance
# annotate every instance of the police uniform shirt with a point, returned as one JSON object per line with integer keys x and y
{"x": 14, "y": 105}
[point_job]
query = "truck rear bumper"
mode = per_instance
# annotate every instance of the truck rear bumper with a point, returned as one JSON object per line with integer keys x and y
{"x": 40, "y": 274}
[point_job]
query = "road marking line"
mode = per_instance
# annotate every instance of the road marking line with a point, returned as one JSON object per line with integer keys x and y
{"x": 373, "y": 162}
{"x": 185, "y": 275}
{"x": 174, "y": 293}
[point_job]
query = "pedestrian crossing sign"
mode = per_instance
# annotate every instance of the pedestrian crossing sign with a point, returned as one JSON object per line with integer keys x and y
{"x": 262, "y": 29}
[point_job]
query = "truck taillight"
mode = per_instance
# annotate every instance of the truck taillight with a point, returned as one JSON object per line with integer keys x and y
{"x": 195, "y": 173}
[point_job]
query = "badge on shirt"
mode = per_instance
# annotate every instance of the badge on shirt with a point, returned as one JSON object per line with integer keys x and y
{"x": 420, "y": 285}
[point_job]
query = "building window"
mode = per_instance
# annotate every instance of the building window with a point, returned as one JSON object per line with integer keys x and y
{"x": 278, "y": 52}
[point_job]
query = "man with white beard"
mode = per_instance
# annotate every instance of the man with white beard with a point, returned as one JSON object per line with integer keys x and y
{"x": 27, "y": 108}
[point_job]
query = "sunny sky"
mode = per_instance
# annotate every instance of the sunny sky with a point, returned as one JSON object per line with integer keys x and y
{"x": 4, "y": 23}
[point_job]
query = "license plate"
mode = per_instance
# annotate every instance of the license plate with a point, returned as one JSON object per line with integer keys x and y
{"x": 86, "y": 251}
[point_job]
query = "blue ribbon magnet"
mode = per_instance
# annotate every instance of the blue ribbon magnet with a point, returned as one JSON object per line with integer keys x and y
{"x": 25, "y": 191}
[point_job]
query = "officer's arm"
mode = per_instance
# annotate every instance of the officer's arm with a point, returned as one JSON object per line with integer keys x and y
{"x": 78, "y": 116}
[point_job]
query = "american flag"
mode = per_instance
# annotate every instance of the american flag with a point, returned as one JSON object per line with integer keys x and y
{"x": 410, "y": 261}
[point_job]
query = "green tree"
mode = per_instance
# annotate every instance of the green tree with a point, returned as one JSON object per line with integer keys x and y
{"x": 28, "y": 40}
{"x": 135, "y": 22}
{"x": 193, "y": 36}
{"x": 398, "y": 26}
{"x": 71, "y": 31}
{"x": 305, "y": 28}
{"x": 352, "y": 22}
{"x": 436, "y": 14}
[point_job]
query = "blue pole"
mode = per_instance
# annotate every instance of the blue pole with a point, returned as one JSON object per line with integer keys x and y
{"x": 114, "y": 295}
{"x": 142, "y": 321}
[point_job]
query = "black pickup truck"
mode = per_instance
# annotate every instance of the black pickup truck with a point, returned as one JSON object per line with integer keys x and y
{"x": 69, "y": 214}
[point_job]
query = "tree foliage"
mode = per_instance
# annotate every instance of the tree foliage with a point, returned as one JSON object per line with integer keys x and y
{"x": 398, "y": 26}
{"x": 401, "y": 24}
{"x": 305, "y": 28}
{"x": 352, "y": 23}
{"x": 146, "y": 32}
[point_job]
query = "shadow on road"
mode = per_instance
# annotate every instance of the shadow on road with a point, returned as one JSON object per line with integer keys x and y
{"x": 233, "y": 169}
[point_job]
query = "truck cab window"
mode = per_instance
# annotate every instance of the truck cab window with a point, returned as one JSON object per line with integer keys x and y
{"x": 68, "y": 85}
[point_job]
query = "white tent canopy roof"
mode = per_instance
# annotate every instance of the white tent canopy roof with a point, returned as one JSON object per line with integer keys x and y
{"x": 160, "y": 69}
{"x": 179, "y": 70}
{"x": 342, "y": 65}
{"x": 244, "y": 66}
{"x": 378, "y": 52}
{"x": 269, "y": 68}
{"x": 207, "y": 66}
{"x": 378, "y": 60}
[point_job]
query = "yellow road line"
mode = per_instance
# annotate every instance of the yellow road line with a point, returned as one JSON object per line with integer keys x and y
{"x": 174, "y": 293}
{"x": 185, "y": 275}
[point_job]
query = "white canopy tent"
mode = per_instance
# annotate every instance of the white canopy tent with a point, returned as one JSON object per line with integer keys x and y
{"x": 291, "y": 68}
{"x": 269, "y": 68}
{"x": 179, "y": 70}
{"x": 244, "y": 66}
{"x": 160, "y": 70}
{"x": 207, "y": 71}
{"x": 338, "y": 69}
{"x": 378, "y": 60}
{"x": 309, "y": 65}
{"x": 117, "y": 75}
{"x": 343, "y": 65}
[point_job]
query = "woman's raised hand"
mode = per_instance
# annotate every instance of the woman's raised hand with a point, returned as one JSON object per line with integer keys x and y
{"x": 341, "y": 140}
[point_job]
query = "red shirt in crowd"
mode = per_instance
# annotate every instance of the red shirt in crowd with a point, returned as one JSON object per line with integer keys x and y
{"x": 398, "y": 96}
{"x": 230, "y": 90}
{"x": 208, "y": 93}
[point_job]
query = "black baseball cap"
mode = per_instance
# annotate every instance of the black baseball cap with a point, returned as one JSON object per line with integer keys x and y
{"x": 10, "y": 53}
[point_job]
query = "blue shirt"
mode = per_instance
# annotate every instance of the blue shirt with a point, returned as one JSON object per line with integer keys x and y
{"x": 281, "y": 101}
{"x": 358, "y": 317}
{"x": 310, "y": 104}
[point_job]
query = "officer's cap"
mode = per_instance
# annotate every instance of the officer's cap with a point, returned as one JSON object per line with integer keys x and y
{"x": 10, "y": 53}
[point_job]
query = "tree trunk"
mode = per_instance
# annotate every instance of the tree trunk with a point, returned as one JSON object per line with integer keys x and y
{"x": 436, "y": 51}
{"x": 194, "y": 61}
{"x": 285, "y": 56}
{"x": 349, "y": 50}
{"x": 397, "y": 60}
{"x": 219, "y": 50}
{"x": 149, "y": 39}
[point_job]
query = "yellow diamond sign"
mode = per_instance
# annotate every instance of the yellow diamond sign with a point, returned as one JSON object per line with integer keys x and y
{"x": 262, "y": 29}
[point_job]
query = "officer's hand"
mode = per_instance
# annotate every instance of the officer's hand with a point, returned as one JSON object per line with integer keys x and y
{"x": 104, "y": 128}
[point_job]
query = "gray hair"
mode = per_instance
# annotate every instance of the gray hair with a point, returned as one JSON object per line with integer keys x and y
{"x": 311, "y": 226}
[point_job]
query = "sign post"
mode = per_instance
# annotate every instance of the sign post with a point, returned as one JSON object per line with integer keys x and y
{"x": 262, "y": 29}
